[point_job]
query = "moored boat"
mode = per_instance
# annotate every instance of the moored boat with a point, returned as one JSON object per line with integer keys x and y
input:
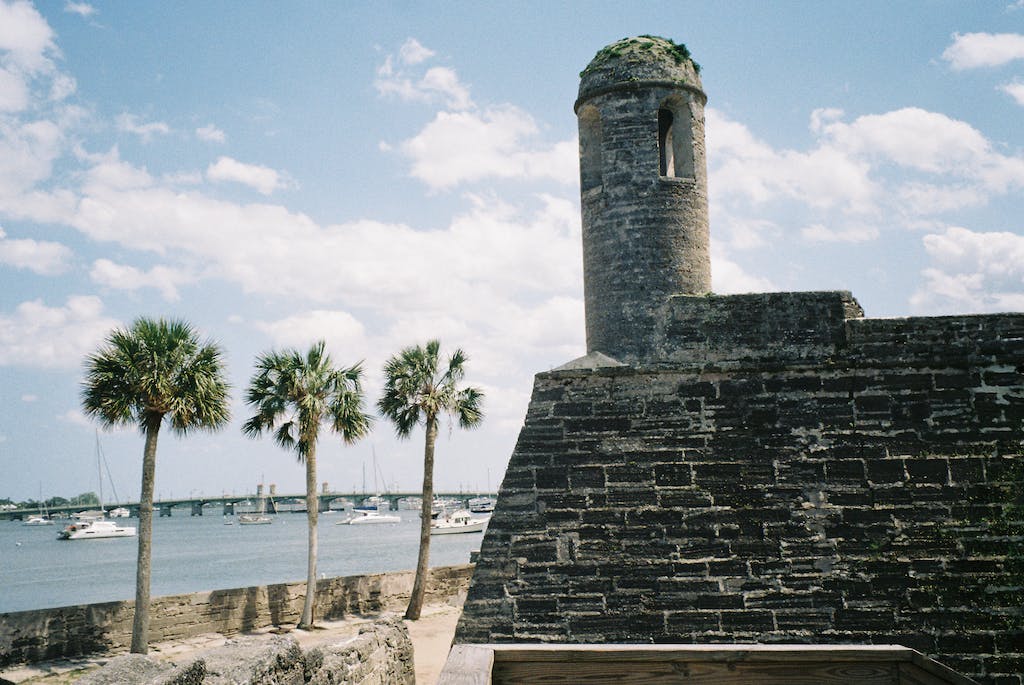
{"x": 481, "y": 505}
{"x": 94, "y": 529}
{"x": 37, "y": 520}
{"x": 119, "y": 513}
{"x": 360, "y": 518}
{"x": 254, "y": 520}
{"x": 460, "y": 521}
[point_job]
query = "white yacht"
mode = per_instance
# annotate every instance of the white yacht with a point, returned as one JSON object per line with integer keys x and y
{"x": 37, "y": 520}
{"x": 460, "y": 521}
{"x": 362, "y": 518}
{"x": 94, "y": 529}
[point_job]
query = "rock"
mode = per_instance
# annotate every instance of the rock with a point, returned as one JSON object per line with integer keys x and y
{"x": 128, "y": 669}
{"x": 254, "y": 661}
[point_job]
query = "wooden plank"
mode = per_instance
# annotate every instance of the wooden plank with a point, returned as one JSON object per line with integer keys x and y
{"x": 467, "y": 665}
{"x": 694, "y": 673}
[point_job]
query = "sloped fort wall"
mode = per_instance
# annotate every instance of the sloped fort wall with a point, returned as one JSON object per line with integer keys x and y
{"x": 785, "y": 472}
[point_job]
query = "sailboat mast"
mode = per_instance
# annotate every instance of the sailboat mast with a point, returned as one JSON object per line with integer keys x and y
{"x": 99, "y": 470}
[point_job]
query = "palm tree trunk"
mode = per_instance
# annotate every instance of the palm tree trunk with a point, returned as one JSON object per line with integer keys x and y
{"x": 140, "y": 622}
{"x": 419, "y": 586}
{"x": 306, "y": 621}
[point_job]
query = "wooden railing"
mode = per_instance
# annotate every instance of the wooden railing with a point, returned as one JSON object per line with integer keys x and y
{"x": 710, "y": 664}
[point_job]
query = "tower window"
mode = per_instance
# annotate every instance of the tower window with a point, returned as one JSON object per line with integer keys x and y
{"x": 675, "y": 144}
{"x": 666, "y": 151}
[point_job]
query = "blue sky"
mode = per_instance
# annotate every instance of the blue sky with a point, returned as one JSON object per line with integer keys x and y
{"x": 377, "y": 174}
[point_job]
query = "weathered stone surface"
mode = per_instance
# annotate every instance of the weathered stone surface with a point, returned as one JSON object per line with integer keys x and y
{"x": 254, "y": 661}
{"x": 380, "y": 655}
{"x": 837, "y": 490}
{"x": 129, "y": 669}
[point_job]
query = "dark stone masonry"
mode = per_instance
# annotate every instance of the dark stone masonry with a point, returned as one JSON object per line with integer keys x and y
{"x": 769, "y": 468}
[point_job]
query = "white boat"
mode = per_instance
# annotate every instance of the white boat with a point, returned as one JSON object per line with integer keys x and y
{"x": 460, "y": 521}
{"x": 37, "y": 520}
{"x": 119, "y": 513}
{"x": 362, "y": 518}
{"x": 481, "y": 505}
{"x": 254, "y": 519}
{"x": 374, "y": 503}
{"x": 90, "y": 515}
{"x": 257, "y": 518}
{"x": 43, "y": 517}
{"x": 99, "y": 528}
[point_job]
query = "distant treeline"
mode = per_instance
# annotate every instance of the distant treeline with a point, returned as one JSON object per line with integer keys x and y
{"x": 86, "y": 498}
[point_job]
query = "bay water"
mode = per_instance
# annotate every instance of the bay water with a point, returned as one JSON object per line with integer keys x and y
{"x": 198, "y": 553}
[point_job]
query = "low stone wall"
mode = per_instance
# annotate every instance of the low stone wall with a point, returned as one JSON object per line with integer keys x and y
{"x": 31, "y": 636}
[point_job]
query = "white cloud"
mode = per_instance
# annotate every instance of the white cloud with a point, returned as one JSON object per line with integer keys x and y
{"x": 437, "y": 83}
{"x": 342, "y": 331}
{"x": 413, "y": 52}
{"x": 210, "y": 133}
{"x": 728, "y": 277}
{"x": 75, "y": 417}
{"x": 743, "y": 167}
{"x": 129, "y": 123}
{"x": 82, "y": 9}
{"x": 13, "y": 92}
{"x": 42, "y": 257}
{"x": 898, "y": 167}
{"x": 123, "y": 277}
{"x": 461, "y": 147}
{"x": 36, "y": 335}
{"x": 914, "y": 138}
{"x": 26, "y": 37}
{"x": 1014, "y": 90}
{"x": 972, "y": 271}
{"x": 264, "y": 179}
{"x": 62, "y": 87}
{"x": 850, "y": 234}
{"x": 974, "y": 50}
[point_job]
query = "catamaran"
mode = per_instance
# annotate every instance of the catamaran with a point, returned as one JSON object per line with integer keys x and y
{"x": 95, "y": 527}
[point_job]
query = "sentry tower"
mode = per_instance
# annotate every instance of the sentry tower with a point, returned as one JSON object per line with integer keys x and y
{"x": 643, "y": 184}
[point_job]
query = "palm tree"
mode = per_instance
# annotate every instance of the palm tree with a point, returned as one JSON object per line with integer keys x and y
{"x": 292, "y": 395}
{"x": 415, "y": 392}
{"x": 155, "y": 370}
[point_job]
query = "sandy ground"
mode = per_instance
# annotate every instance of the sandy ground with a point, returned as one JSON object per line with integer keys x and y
{"x": 431, "y": 638}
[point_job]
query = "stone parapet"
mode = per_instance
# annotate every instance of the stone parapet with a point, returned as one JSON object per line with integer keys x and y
{"x": 730, "y": 331}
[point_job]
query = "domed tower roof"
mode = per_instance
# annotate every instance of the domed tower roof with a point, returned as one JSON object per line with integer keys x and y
{"x": 643, "y": 60}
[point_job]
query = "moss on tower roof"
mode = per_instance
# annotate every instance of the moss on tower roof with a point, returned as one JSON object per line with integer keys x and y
{"x": 646, "y": 47}
{"x": 643, "y": 59}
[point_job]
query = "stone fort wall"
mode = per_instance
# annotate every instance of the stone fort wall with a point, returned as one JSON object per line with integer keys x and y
{"x": 786, "y": 472}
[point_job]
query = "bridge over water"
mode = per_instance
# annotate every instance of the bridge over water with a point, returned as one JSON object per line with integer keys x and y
{"x": 231, "y": 504}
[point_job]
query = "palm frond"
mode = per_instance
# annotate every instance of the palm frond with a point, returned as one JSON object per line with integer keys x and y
{"x": 294, "y": 392}
{"x": 156, "y": 368}
{"x": 415, "y": 393}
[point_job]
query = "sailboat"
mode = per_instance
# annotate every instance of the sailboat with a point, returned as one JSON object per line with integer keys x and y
{"x": 42, "y": 518}
{"x": 98, "y": 527}
{"x": 259, "y": 518}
